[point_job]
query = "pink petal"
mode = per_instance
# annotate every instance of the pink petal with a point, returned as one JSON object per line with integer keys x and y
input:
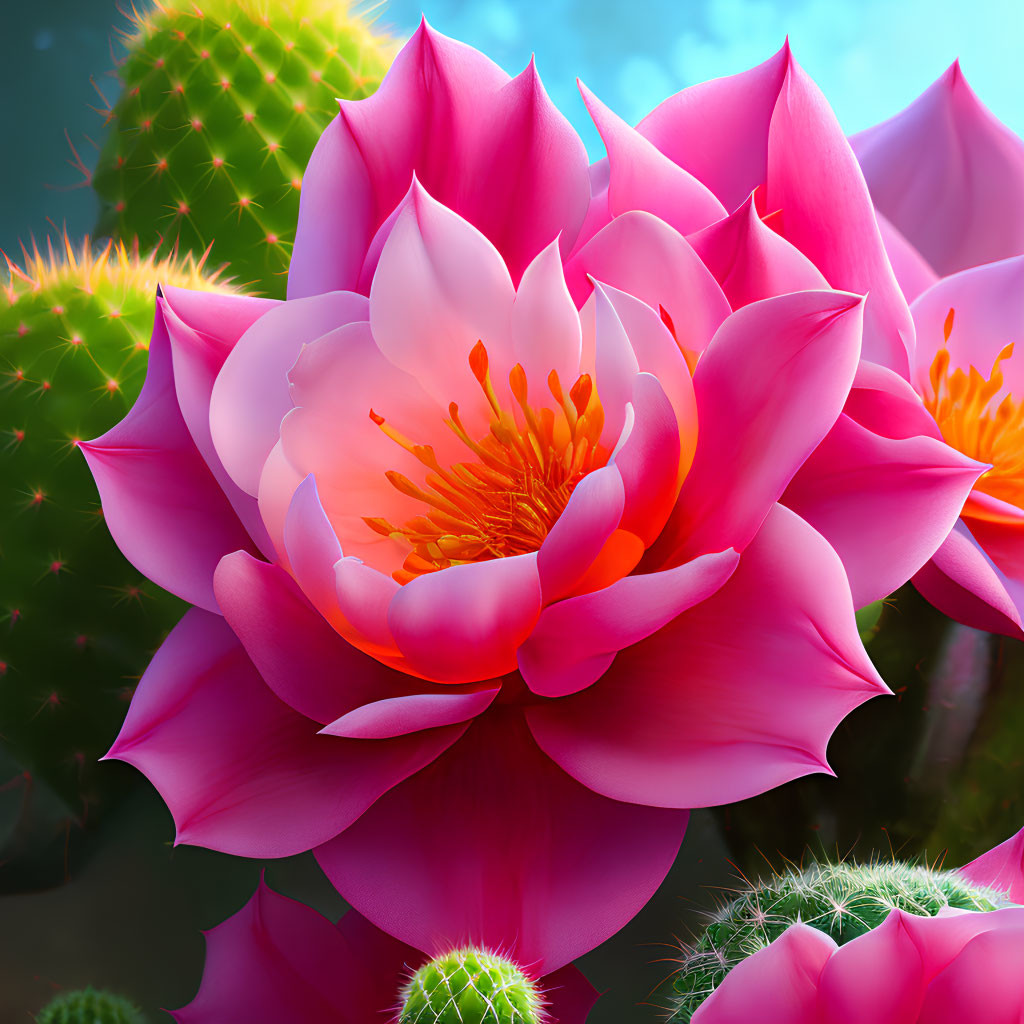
{"x": 494, "y": 844}
{"x": 300, "y": 657}
{"x": 570, "y": 997}
{"x": 776, "y": 985}
{"x": 440, "y": 288}
{"x": 1002, "y": 868}
{"x": 704, "y": 713}
{"x": 886, "y": 404}
{"x": 769, "y": 387}
{"x": 949, "y": 175}
{"x": 963, "y": 583}
{"x": 750, "y": 261}
{"x": 615, "y": 363}
{"x": 642, "y": 178}
{"x": 219, "y": 316}
{"x": 399, "y": 716}
{"x": 913, "y": 272}
{"x": 240, "y": 771}
{"x": 278, "y": 483}
{"x": 250, "y": 395}
{"x": 493, "y": 149}
{"x": 364, "y": 599}
{"x": 885, "y": 505}
{"x": 464, "y": 623}
{"x": 576, "y": 640}
{"x": 161, "y": 504}
{"x": 640, "y": 255}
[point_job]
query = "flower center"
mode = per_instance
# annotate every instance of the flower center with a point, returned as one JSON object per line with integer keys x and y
{"x": 973, "y": 421}
{"x": 505, "y": 499}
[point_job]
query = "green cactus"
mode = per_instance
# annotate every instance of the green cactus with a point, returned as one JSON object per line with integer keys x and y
{"x": 222, "y": 103}
{"x": 77, "y": 622}
{"x": 842, "y": 900}
{"x": 90, "y": 1007}
{"x": 471, "y": 986}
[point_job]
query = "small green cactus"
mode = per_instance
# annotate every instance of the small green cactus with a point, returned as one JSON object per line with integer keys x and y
{"x": 222, "y": 103}
{"x": 842, "y": 900}
{"x": 77, "y": 622}
{"x": 471, "y": 986}
{"x": 90, "y": 1007}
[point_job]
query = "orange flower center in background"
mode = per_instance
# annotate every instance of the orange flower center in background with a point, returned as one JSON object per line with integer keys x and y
{"x": 504, "y": 500}
{"x": 975, "y": 421}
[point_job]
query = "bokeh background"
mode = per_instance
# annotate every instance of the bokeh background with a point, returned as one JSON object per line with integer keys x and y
{"x": 131, "y": 920}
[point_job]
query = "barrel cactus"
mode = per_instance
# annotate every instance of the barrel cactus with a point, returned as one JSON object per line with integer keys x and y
{"x": 471, "y": 986}
{"x": 843, "y": 900}
{"x": 90, "y": 1007}
{"x": 221, "y": 105}
{"x": 77, "y": 622}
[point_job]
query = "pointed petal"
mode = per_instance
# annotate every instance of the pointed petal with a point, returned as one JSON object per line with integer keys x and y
{"x": 1002, "y": 868}
{"x": 399, "y": 716}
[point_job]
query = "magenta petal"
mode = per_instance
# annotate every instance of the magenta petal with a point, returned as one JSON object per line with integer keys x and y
{"x": 776, "y": 985}
{"x": 750, "y": 261}
{"x": 1002, "y": 868}
{"x": 240, "y": 771}
{"x": 219, "y": 316}
{"x": 575, "y": 640}
{"x": 399, "y": 716}
{"x": 300, "y": 657}
{"x": 161, "y": 504}
{"x": 963, "y": 583}
{"x": 494, "y": 844}
{"x": 251, "y": 396}
{"x": 887, "y": 405}
{"x": 464, "y": 623}
{"x": 753, "y": 438}
{"x": 570, "y": 997}
{"x": 642, "y": 178}
{"x": 885, "y": 505}
{"x": 705, "y": 713}
{"x": 589, "y": 519}
{"x": 949, "y": 175}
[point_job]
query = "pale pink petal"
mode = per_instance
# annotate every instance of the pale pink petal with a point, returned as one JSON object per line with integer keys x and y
{"x": 250, "y": 395}
{"x": 913, "y": 272}
{"x": 440, "y": 288}
{"x": 769, "y": 388}
{"x": 494, "y": 844}
{"x": 493, "y": 149}
{"x": 885, "y": 505}
{"x": 312, "y": 548}
{"x": 643, "y": 256}
{"x": 278, "y": 483}
{"x": 240, "y": 771}
{"x": 776, "y": 985}
{"x": 642, "y": 178}
{"x": 545, "y": 325}
{"x": 576, "y": 640}
{"x": 1002, "y": 868}
{"x": 705, "y": 713}
{"x": 750, "y": 261}
{"x": 364, "y": 599}
{"x": 615, "y": 363}
{"x": 161, "y": 504}
{"x": 399, "y": 716}
{"x": 464, "y": 623}
{"x": 949, "y": 175}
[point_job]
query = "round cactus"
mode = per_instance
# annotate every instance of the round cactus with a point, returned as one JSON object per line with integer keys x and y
{"x": 90, "y": 1007}
{"x": 77, "y": 622}
{"x": 222, "y": 103}
{"x": 843, "y": 900}
{"x": 471, "y": 986}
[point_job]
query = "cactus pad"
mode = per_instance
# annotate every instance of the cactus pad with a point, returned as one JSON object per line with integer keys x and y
{"x": 90, "y": 1007}
{"x": 842, "y": 900}
{"x": 77, "y": 622}
{"x": 222, "y": 103}
{"x": 471, "y": 986}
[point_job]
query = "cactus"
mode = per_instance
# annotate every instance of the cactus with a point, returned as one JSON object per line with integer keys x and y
{"x": 471, "y": 986}
{"x": 77, "y": 622}
{"x": 843, "y": 900}
{"x": 90, "y": 1007}
{"x": 222, "y": 103}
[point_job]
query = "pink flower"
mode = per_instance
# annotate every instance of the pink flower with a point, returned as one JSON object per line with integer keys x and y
{"x": 490, "y": 587}
{"x": 276, "y": 960}
{"x": 955, "y": 968}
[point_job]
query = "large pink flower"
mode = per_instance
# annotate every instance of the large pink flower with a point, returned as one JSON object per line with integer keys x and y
{"x": 959, "y": 967}
{"x": 278, "y": 961}
{"x": 491, "y": 586}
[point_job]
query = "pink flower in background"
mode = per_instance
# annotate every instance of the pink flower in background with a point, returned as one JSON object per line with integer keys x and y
{"x": 491, "y": 574}
{"x": 955, "y": 968}
{"x": 277, "y": 961}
